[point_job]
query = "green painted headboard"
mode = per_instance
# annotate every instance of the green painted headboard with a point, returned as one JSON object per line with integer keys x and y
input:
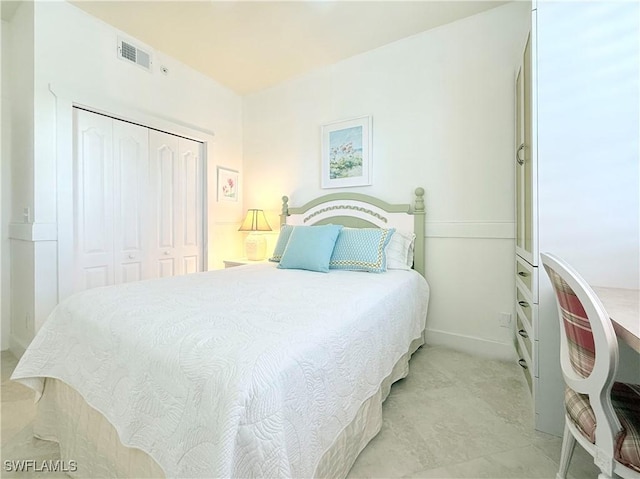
{"x": 362, "y": 211}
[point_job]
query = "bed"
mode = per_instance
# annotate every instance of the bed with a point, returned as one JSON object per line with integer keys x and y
{"x": 256, "y": 371}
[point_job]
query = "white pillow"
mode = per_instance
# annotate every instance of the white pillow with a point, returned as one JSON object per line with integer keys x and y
{"x": 400, "y": 250}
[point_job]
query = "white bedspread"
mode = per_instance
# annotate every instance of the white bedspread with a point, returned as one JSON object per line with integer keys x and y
{"x": 247, "y": 372}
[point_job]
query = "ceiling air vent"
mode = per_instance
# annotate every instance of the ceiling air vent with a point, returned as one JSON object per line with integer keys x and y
{"x": 131, "y": 53}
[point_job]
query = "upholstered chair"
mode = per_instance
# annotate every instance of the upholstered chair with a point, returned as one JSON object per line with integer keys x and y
{"x": 601, "y": 414}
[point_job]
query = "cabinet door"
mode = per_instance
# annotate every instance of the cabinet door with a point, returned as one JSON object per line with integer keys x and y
{"x": 131, "y": 192}
{"x": 525, "y": 162}
{"x": 93, "y": 201}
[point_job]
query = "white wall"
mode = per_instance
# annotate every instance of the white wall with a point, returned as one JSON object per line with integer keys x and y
{"x": 74, "y": 60}
{"x": 76, "y": 52}
{"x": 18, "y": 70}
{"x": 442, "y": 107}
{"x": 588, "y": 137}
{"x": 5, "y": 183}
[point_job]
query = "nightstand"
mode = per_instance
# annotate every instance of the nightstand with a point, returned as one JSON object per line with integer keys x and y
{"x": 230, "y": 263}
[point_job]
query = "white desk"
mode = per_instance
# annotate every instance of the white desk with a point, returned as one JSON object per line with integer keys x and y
{"x": 623, "y": 306}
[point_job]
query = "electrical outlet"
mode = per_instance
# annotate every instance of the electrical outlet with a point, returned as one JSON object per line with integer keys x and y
{"x": 505, "y": 320}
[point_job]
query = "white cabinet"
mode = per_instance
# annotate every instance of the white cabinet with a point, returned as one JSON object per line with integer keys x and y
{"x": 537, "y": 335}
{"x": 577, "y": 194}
{"x": 138, "y": 202}
{"x": 526, "y": 227}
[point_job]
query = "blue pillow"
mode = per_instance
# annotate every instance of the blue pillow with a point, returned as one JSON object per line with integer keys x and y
{"x": 283, "y": 239}
{"x": 310, "y": 248}
{"x": 361, "y": 249}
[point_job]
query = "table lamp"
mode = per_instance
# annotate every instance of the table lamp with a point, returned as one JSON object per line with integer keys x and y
{"x": 255, "y": 245}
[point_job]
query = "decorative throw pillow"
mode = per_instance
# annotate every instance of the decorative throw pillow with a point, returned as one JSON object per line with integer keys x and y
{"x": 283, "y": 239}
{"x": 361, "y": 249}
{"x": 310, "y": 248}
{"x": 400, "y": 250}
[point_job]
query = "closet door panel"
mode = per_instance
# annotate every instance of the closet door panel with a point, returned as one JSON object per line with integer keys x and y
{"x": 191, "y": 264}
{"x": 191, "y": 196}
{"x": 131, "y": 165}
{"x": 131, "y": 271}
{"x": 166, "y": 267}
{"x": 166, "y": 159}
{"x": 165, "y": 211}
{"x": 93, "y": 201}
{"x": 191, "y": 205}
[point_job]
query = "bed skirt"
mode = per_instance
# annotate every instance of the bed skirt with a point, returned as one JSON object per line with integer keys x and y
{"x": 87, "y": 438}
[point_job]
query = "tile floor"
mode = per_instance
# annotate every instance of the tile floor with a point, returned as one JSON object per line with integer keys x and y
{"x": 454, "y": 416}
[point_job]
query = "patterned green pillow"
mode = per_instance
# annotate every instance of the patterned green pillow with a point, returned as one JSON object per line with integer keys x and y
{"x": 283, "y": 239}
{"x": 361, "y": 249}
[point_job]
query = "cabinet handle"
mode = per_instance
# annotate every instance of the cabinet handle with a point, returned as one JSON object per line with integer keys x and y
{"x": 518, "y": 159}
{"x": 523, "y": 333}
{"x": 131, "y": 256}
{"x": 524, "y": 274}
{"x": 166, "y": 253}
{"x": 523, "y": 363}
{"x": 524, "y": 304}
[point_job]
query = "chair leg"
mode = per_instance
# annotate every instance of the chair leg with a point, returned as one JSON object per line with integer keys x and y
{"x": 568, "y": 445}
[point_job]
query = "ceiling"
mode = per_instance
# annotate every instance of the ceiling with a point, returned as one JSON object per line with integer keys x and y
{"x": 251, "y": 45}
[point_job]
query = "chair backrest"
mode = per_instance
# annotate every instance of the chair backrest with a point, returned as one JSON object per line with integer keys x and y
{"x": 577, "y": 328}
{"x": 588, "y": 345}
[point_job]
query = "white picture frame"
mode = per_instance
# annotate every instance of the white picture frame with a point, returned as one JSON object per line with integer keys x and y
{"x": 228, "y": 184}
{"x": 346, "y": 153}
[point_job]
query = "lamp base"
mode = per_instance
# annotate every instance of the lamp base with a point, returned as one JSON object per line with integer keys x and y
{"x": 255, "y": 247}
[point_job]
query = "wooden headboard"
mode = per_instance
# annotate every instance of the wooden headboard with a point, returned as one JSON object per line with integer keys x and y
{"x": 356, "y": 210}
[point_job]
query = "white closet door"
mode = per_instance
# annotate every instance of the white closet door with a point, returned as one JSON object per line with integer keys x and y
{"x": 131, "y": 192}
{"x": 164, "y": 211}
{"x": 93, "y": 201}
{"x": 176, "y": 211}
{"x": 138, "y": 203}
{"x": 190, "y": 236}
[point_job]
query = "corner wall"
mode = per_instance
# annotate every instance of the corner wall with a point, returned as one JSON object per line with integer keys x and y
{"x": 74, "y": 56}
{"x": 18, "y": 161}
{"x": 443, "y": 118}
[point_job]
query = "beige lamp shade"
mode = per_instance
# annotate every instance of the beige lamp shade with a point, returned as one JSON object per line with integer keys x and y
{"x": 255, "y": 221}
{"x": 255, "y": 245}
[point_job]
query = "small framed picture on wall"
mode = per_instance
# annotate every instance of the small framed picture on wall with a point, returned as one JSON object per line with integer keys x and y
{"x": 228, "y": 184}
{"x": 346, "y": 153}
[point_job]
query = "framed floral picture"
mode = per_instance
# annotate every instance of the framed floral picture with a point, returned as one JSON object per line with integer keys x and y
{"x": 228, "y": 184}
{"x": 346, "y": 153}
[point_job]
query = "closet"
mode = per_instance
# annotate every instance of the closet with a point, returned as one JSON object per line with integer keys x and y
{"x": 576, "y": 180}
{"x": 137, "y": 201}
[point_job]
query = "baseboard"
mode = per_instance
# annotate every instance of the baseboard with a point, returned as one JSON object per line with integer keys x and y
{"x": 471, "y": 345}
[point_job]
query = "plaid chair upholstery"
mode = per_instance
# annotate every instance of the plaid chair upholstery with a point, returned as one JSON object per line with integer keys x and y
{"x": 611, "y": 424}
{"x": 626, "y": 402}
{"x": 582, "y": 351}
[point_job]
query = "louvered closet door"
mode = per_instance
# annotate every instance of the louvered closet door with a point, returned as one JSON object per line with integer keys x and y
{"x": 176, "y": 210}
{"x": 93, "y": 201}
